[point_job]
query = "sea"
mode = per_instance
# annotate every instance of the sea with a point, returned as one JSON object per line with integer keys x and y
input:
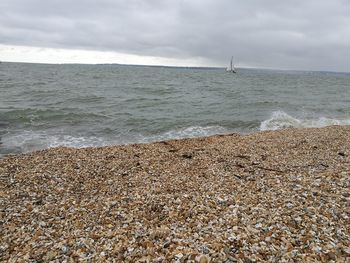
{"x": 75, "y": 105}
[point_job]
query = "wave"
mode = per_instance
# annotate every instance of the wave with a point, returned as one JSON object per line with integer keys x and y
{"x": 281, "y": 120}
{"x": 28, "y": 141}
{"x": 189, "y": 132}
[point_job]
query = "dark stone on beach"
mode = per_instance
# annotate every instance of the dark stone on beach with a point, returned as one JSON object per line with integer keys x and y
{"x": 166, "y": 244}
{"x": 187, "y": 156}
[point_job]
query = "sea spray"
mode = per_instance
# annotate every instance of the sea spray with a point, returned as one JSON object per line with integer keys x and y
{"x": 281, "y": 120}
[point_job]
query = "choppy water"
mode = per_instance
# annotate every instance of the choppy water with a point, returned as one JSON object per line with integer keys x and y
{"x": 45, "y": 106}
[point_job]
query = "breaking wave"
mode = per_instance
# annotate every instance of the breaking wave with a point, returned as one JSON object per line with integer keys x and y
{"x": 190, "y": 132}
{"x": 28, "y": 141}
{"x": 281, "y": 120}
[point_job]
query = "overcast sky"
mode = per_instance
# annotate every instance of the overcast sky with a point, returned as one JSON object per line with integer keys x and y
{"x": 294, "y": 34}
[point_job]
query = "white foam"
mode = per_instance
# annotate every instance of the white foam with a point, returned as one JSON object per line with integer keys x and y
{"x": 28, "y": 141}
{"x": 189, "y": 132}
{"x": 281, "y": 120}
{"x": 194, "y": 131}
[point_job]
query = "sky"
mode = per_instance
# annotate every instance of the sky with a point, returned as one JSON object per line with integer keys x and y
{"x": 294, "y": 34}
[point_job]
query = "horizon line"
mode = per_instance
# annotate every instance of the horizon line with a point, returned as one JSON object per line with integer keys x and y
{"x": 173, "y": 66}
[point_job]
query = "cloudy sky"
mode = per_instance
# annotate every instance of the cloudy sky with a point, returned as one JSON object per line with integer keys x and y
{"x": 295, "y": 34}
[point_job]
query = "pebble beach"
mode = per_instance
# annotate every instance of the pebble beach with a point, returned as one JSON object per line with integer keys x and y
{"x": 274, "y": 196}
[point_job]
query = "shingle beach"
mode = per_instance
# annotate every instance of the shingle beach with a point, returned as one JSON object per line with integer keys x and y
{"x": 277, "y": 196}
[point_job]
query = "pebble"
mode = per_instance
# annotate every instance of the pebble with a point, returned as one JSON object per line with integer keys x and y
{"x": 266, "y": 196}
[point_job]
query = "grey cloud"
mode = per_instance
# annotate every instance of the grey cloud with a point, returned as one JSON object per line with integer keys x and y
{"x": 271, "y": 33}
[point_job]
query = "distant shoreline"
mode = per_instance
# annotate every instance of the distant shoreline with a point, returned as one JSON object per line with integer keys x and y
{"x": 187, "y": 67}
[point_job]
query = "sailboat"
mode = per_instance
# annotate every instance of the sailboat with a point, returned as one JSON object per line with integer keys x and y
{"x": 231, "y": 68}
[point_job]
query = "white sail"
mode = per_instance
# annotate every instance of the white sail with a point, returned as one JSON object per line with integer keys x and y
{"x": 231, "y": 68}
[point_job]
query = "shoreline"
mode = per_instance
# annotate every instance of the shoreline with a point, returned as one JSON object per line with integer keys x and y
{"x": 264, "y": 196}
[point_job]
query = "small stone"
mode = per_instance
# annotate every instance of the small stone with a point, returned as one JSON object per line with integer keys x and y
{"x": 166, "y": 244}
{"x": 259, "y": 225}
{"x": 178, "y": 256}
{"x": 202, "y": 259}
{"x": 221, "y": 201}
{"x": 64, "y": 250}
{"x": 50, "y": 255}
{"x": 205, "y": 250}
{"x": 331, "y": 256}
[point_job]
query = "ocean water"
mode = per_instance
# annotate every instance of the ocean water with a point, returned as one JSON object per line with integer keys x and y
{"x": 44, "y": 106}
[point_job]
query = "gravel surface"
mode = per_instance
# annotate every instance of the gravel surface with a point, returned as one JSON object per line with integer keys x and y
{"x": 278, "y": 196}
